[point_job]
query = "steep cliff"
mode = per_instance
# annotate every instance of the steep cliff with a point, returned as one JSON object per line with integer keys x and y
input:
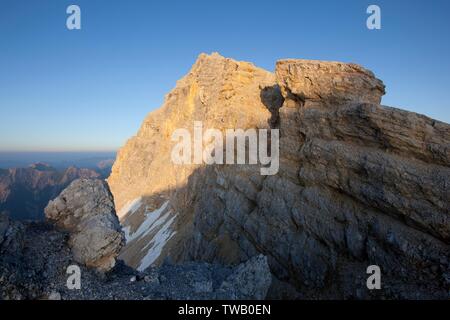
{"x": 359, "y": 183}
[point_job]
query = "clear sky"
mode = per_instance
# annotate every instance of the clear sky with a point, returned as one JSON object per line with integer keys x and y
{"x": 90, "y": 89}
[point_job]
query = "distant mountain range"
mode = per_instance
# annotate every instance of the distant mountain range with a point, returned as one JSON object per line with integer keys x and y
{"x": 58, "y": 160}
{"x": 24, "y": 192}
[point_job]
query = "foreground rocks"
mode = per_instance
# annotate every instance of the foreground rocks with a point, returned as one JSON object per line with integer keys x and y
{"x": 359, "y": 183}
{"x": 32, "y": 256}
{"x": 34, "y": 260}
{"x": 86, "y": 210}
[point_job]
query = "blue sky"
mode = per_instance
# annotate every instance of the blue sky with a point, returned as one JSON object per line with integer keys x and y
{"x": 90, "y": 89}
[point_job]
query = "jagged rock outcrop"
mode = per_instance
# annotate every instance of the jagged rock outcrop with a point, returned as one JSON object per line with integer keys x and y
{"x": 359, "y": 183}
{"x": 86, "y": 210}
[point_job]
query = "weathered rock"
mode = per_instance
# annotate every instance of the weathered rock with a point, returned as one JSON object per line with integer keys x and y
{"x": 86, "y": 210}
{"x": 359, "y": 183}
{"x": 328, "y": 82}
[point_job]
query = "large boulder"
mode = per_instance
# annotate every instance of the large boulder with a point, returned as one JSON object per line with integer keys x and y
{"x": 86, "y": 210}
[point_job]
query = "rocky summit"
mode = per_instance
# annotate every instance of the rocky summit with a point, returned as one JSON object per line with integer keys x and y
{"x": 360, "y": 185}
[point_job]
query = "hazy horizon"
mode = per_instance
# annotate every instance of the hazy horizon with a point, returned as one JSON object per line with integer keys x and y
{"x": 60, "y": 159}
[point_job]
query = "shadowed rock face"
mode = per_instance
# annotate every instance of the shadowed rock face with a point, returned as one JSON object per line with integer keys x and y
{"x": 86, "y": 210}
{"x": 359, "y": 183}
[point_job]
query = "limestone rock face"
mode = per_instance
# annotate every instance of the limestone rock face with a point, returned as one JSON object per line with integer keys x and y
{"x": 86, "y": 210}
{"x": 219, "y": 92}
{"x": 359, "y": 183}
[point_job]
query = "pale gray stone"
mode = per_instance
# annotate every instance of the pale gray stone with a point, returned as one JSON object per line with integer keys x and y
{"x": 86, "y": 210}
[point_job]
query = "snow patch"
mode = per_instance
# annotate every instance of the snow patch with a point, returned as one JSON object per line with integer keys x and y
{"x": 158, "y": 242}
{"x": 130, "y": 207}
{"x": 150, "y": 223}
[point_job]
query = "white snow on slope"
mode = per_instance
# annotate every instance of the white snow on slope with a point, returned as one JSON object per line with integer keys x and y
{"x": 152, "y": 220}
{"x": 130, "y": 207}
{"x": 148, "y": 240}
{"x": 158, "y": 242}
